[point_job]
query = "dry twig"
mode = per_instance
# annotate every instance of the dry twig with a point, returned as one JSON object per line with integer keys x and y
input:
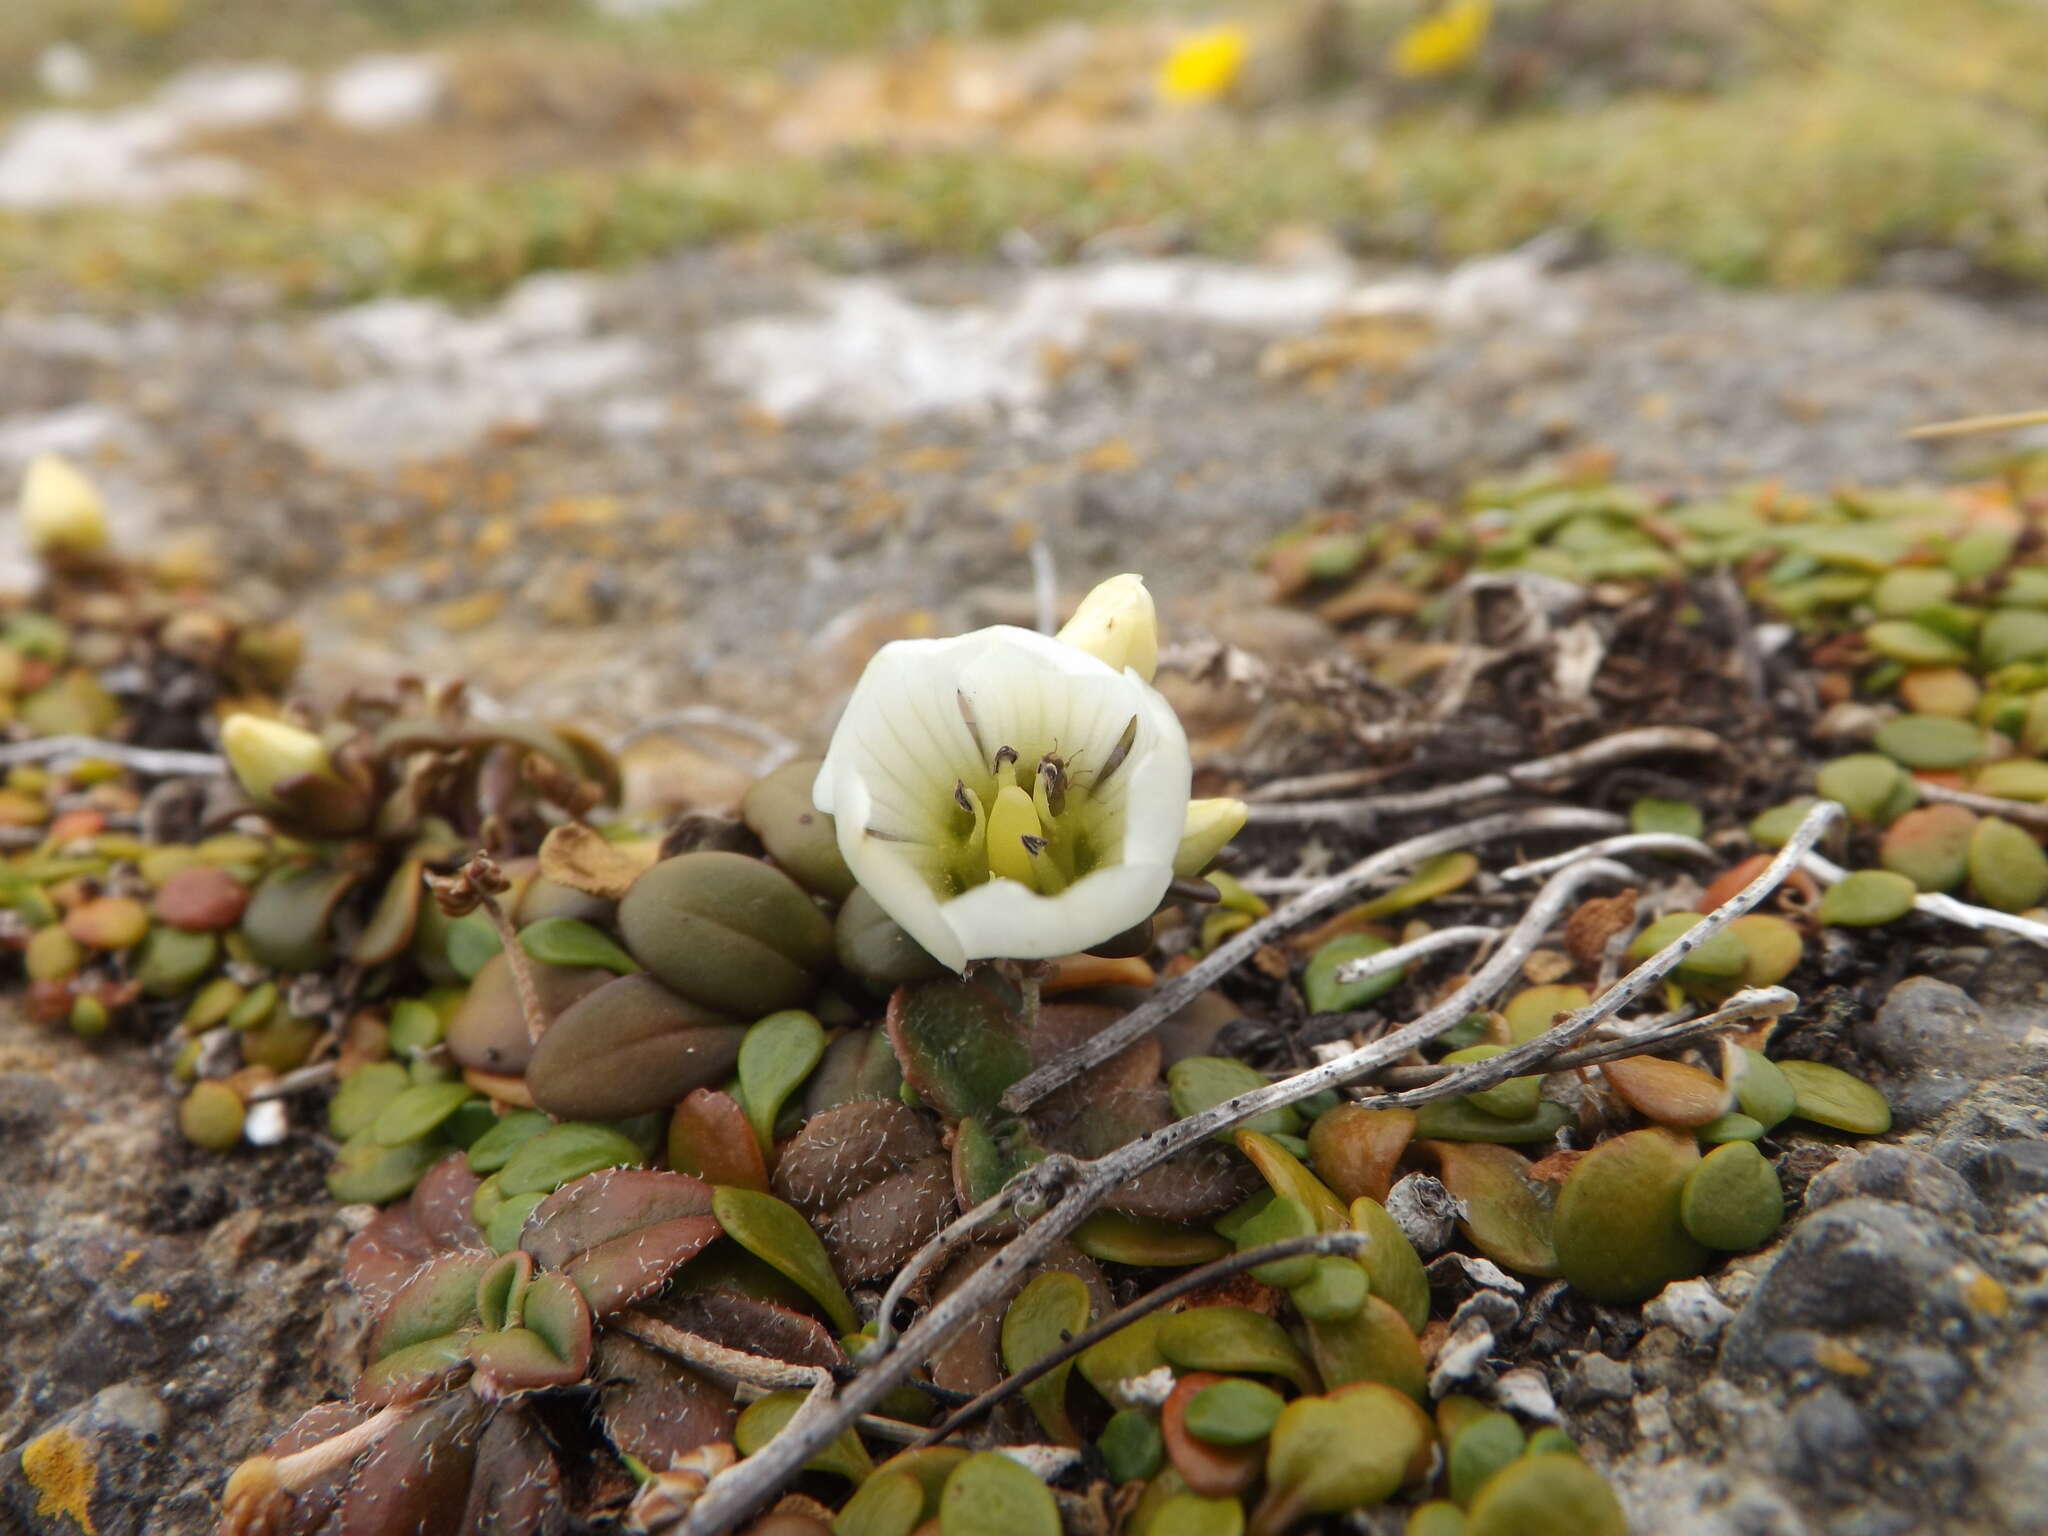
{"x": 1369, "y": 966}
{"x": 1611, "y": 847}
{"x": 156, "y": 762}
{"x": 1184, "y": 1284}
{"x": 1176, "y": 993}
{"x": 1983, "y": 919}
{"x": 2012, "y": 810}
{"x": 1067, "y": 1190}
{"x": 1423, "y": 1085}
{"x": 1539, "y": 773}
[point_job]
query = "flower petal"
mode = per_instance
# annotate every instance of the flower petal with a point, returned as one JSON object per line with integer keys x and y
{"x": 892, "y": 873}
{"x": 1003, "y": 918}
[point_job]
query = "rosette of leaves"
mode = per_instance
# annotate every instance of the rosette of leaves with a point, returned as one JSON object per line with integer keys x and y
{"x": 457, "y": 1418}
{"x": 409, "y": 783}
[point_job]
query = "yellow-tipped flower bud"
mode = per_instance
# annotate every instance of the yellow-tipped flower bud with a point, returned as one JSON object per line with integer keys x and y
{"x": 265, "y": 753}
{"x": 1210, "y": 824}
{"x": 61, "y": 510}
{"x": 1117, "y": 623}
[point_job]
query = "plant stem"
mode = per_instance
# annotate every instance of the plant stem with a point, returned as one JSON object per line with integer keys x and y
{"x": 1181, "y": 1285}
{"x": 1948, "y": 907}
{"x": 1176, "y": 993}
{"x": 1539, "y": 773}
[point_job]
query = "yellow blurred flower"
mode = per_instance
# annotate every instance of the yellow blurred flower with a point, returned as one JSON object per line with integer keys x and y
{"x": 1441, "y": 42}
{"x": 1205, "y": 66}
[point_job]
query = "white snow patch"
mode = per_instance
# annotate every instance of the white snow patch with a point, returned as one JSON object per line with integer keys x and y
{"x": 639, "y": 10}
{"x": 426, "y": 381}
{"x": 871, "y": 354}
{"x": 380, "y": 92}
{"x": 232, "y": 96}
{"x": 64, "y": 157}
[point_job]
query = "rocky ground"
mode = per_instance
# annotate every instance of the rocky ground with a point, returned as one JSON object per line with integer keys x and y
{"x": 694, "y": 484}
{"x": 716, "y": 480}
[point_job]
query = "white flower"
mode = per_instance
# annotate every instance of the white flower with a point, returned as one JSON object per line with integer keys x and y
{"x": 1004, "y": 793}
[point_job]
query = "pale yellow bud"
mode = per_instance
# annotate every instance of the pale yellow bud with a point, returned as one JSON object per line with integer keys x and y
{"x": 1209, "y": 825}
{"x": 1118, "y": 624}
{"x": 61, "y": 511}
{"x": 265, "y": 753}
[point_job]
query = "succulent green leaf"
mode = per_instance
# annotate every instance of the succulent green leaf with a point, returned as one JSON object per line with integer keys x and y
{"x": 1335, "y": 1290}
{"x": 776, "y": 1055}
{"x": 1678, "y": 817}
{"x": 1732, "y": 1200}
{"x": 1930, "y": 741}
{"x": 1233, "y": 1340}
{"x": 1868, "y": 898}
{"x": 778, "y": 1235}
{"x": 1196, "y": 1083}
{"x": 544, "y": 1163}
{"x": 570, "y": 941}
{"x": 1325, "y": 994}
{"x": 1131, "y": 1446}
{"x": 887, "y": 1504}
{"x": 1480, "y": 1449}
{"x": 1618, "y": 1232}
{"x": 767, "y": 1417}
{"x": 1233, "y": 1412}
{"x": 1829, "y": 1096}
{"x": 418, "y": 1111}
{"x": 1549, "y": 1495}
{"x": 507, "y": 1220}
{"x": 471, "y": 942}
{"x": 1053, "y": 1308}
{"x": 2007, "y": 868}
{"x": 961, "y": 1040}
{"x": 1129, "y": 1353}
{"x": 367, "y": 1172}
{"x": 1515, "y": 1099}
{"x": 416, "y": 1027}
{"x": 362, "y": 1097}
{"x": 1375, "y": 1345}
{"x": 1278, "y": 1220}
{"x": 991, "y": 1495}
{"x": 1330, "y": 1454}
{"x": 1763, "y": 1091}
{"x": 1508, "y": 1215}
{"x": 492, "y": 1150}
{"x": 441, "y": 1299}
{"x": 286, "y": 922}
{"x": 1435, "y": 877}
{"x": 1461, "y": 1120}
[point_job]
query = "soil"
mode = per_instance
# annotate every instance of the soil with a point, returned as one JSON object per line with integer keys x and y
{"x": 576, "y": 498}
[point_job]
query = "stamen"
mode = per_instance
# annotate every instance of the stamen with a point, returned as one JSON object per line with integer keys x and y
{"x": 1118, "y": 753}
{"x": 1033, "y": 845}
{"x": 1004, "y": 757}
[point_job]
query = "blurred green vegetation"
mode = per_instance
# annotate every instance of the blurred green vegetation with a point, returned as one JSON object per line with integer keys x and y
{"x": 1831, "y": 134}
